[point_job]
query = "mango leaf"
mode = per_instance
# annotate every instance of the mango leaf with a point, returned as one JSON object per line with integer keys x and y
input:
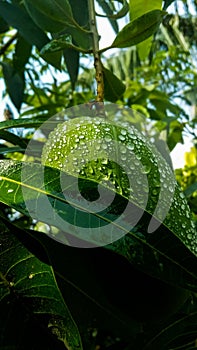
{"x": 167, "y": 253}
{"x": 80, "y": 284}
{"x": 139, "y": 29}
{"x": 80, "y": 37}
{"x": 63, "y": 42}
{"x": 175, "y": 134}
{"x": 23, "y": 122}
{"x": 108, "y": 8}
{"x": 12, "y": 138}
{"x": 167, "y": 3}
{"x": 191, "y": 189}
{"x": 121, "y": 13}
{"x": 15, "y": 84}
{"x": 53, "y": 58}
{"x": 17, "y": 17}
{"x": 4, "y": 27}
{"x": 180, "y": 334}
{"x": 113, "y": 87}
{"x": 32, "y": 282}
{"x": 72, "y": 63}
{"x": 14, "y": 73}
{"x": 4, "y": 150}
{"x": 50, "y": 15}
{"x": 21, "y": 54}
{"x": 80, "y": 16}
{"x": 137, "y": 10}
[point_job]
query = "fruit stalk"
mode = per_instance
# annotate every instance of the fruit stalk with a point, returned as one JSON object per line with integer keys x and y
{"x": 97, "y": 59}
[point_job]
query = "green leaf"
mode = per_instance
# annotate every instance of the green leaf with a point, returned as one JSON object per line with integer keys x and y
{"x": 181, "y": 334}
{"x": 124, "y": 10}
{"x": 80, "y": 37}
{"x": 175, "y": 134}
{"x": 24, "y": 122}
{"x": 81, "y": 284}
{"x": 121, "y": 13}
{"x": 14, "y": 73}
{"x": 137, "y": 9}
{"x": 139, "y": 29}
{"x": 4, "y": 150}
{"x": 25, "y": 277}
{"x": 21, "y": 54}
{"x": 53, "y": 58}
{"x": 80, "y": 13}
{"x": 63, "y": 42}
{"x": 108, "y": 7}
{"x": 191, "y": 189}
{"x": 4, "y": 27}
{"x": 72, "y": 63}
{"x": 113, "y": 87}
{"x": 167, "y": 3}
{"x": 44, "y": 199}
{"x": 14, "y": 139}
{"x": 18, "y": 18}
{"x": 15, "y": 84}
{"x": 51, "y": 15}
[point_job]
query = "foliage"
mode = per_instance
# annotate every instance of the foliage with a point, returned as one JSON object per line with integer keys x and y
{"x": 138, "y": 291}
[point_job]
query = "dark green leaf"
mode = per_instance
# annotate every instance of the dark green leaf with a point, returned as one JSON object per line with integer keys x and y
{"x": 80, "y": 13}
{"x": 25, "y": 277}
{"x": 53, "y": 58}
{"x": 44, "y": 199}
{"x": 175, "y": 134}
{"x": 22, "y": 54}
{"x": 3, "y": 26}
{"x": 80, "y": 38}
{"x": 50, "y": 15}
{"x": 176, "y": 335}
{"x": 139, "y": 29}
{"x": 15, "y": 84}
{"x": 191, "y": 189}
{"x": 4, "y": 150}
{"x": 167, "y": 3}
{"x": 107, "y": 7}
{"x": 72, "y": 63}
{"x": 24, "y": 122}
{"x": 14, "y": 139}
{"x": 113, "y": 87}
{"x": 138, "y": 9}
{"x": 18, "y": 18}
{"x": 63, "y": 42}
{"x": 81, "y": 284}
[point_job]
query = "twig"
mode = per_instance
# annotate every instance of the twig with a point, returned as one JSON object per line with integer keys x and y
{"x": 7, "y": 45}
{"x": 97, "y": 60}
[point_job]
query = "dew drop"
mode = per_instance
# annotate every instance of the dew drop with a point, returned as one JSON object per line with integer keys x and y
{"x": 104, "y": 146}
{"x": 121, "y": 137}
{"x": 108, "y": 138}
{"x": 123, "y": 132}
{"x": 146, "y": 169}
{"x": 130, "y": 147}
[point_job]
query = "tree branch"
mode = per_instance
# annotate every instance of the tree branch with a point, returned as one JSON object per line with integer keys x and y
{"x": 97, "y": 60}
{"x": 7, "y": 45}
